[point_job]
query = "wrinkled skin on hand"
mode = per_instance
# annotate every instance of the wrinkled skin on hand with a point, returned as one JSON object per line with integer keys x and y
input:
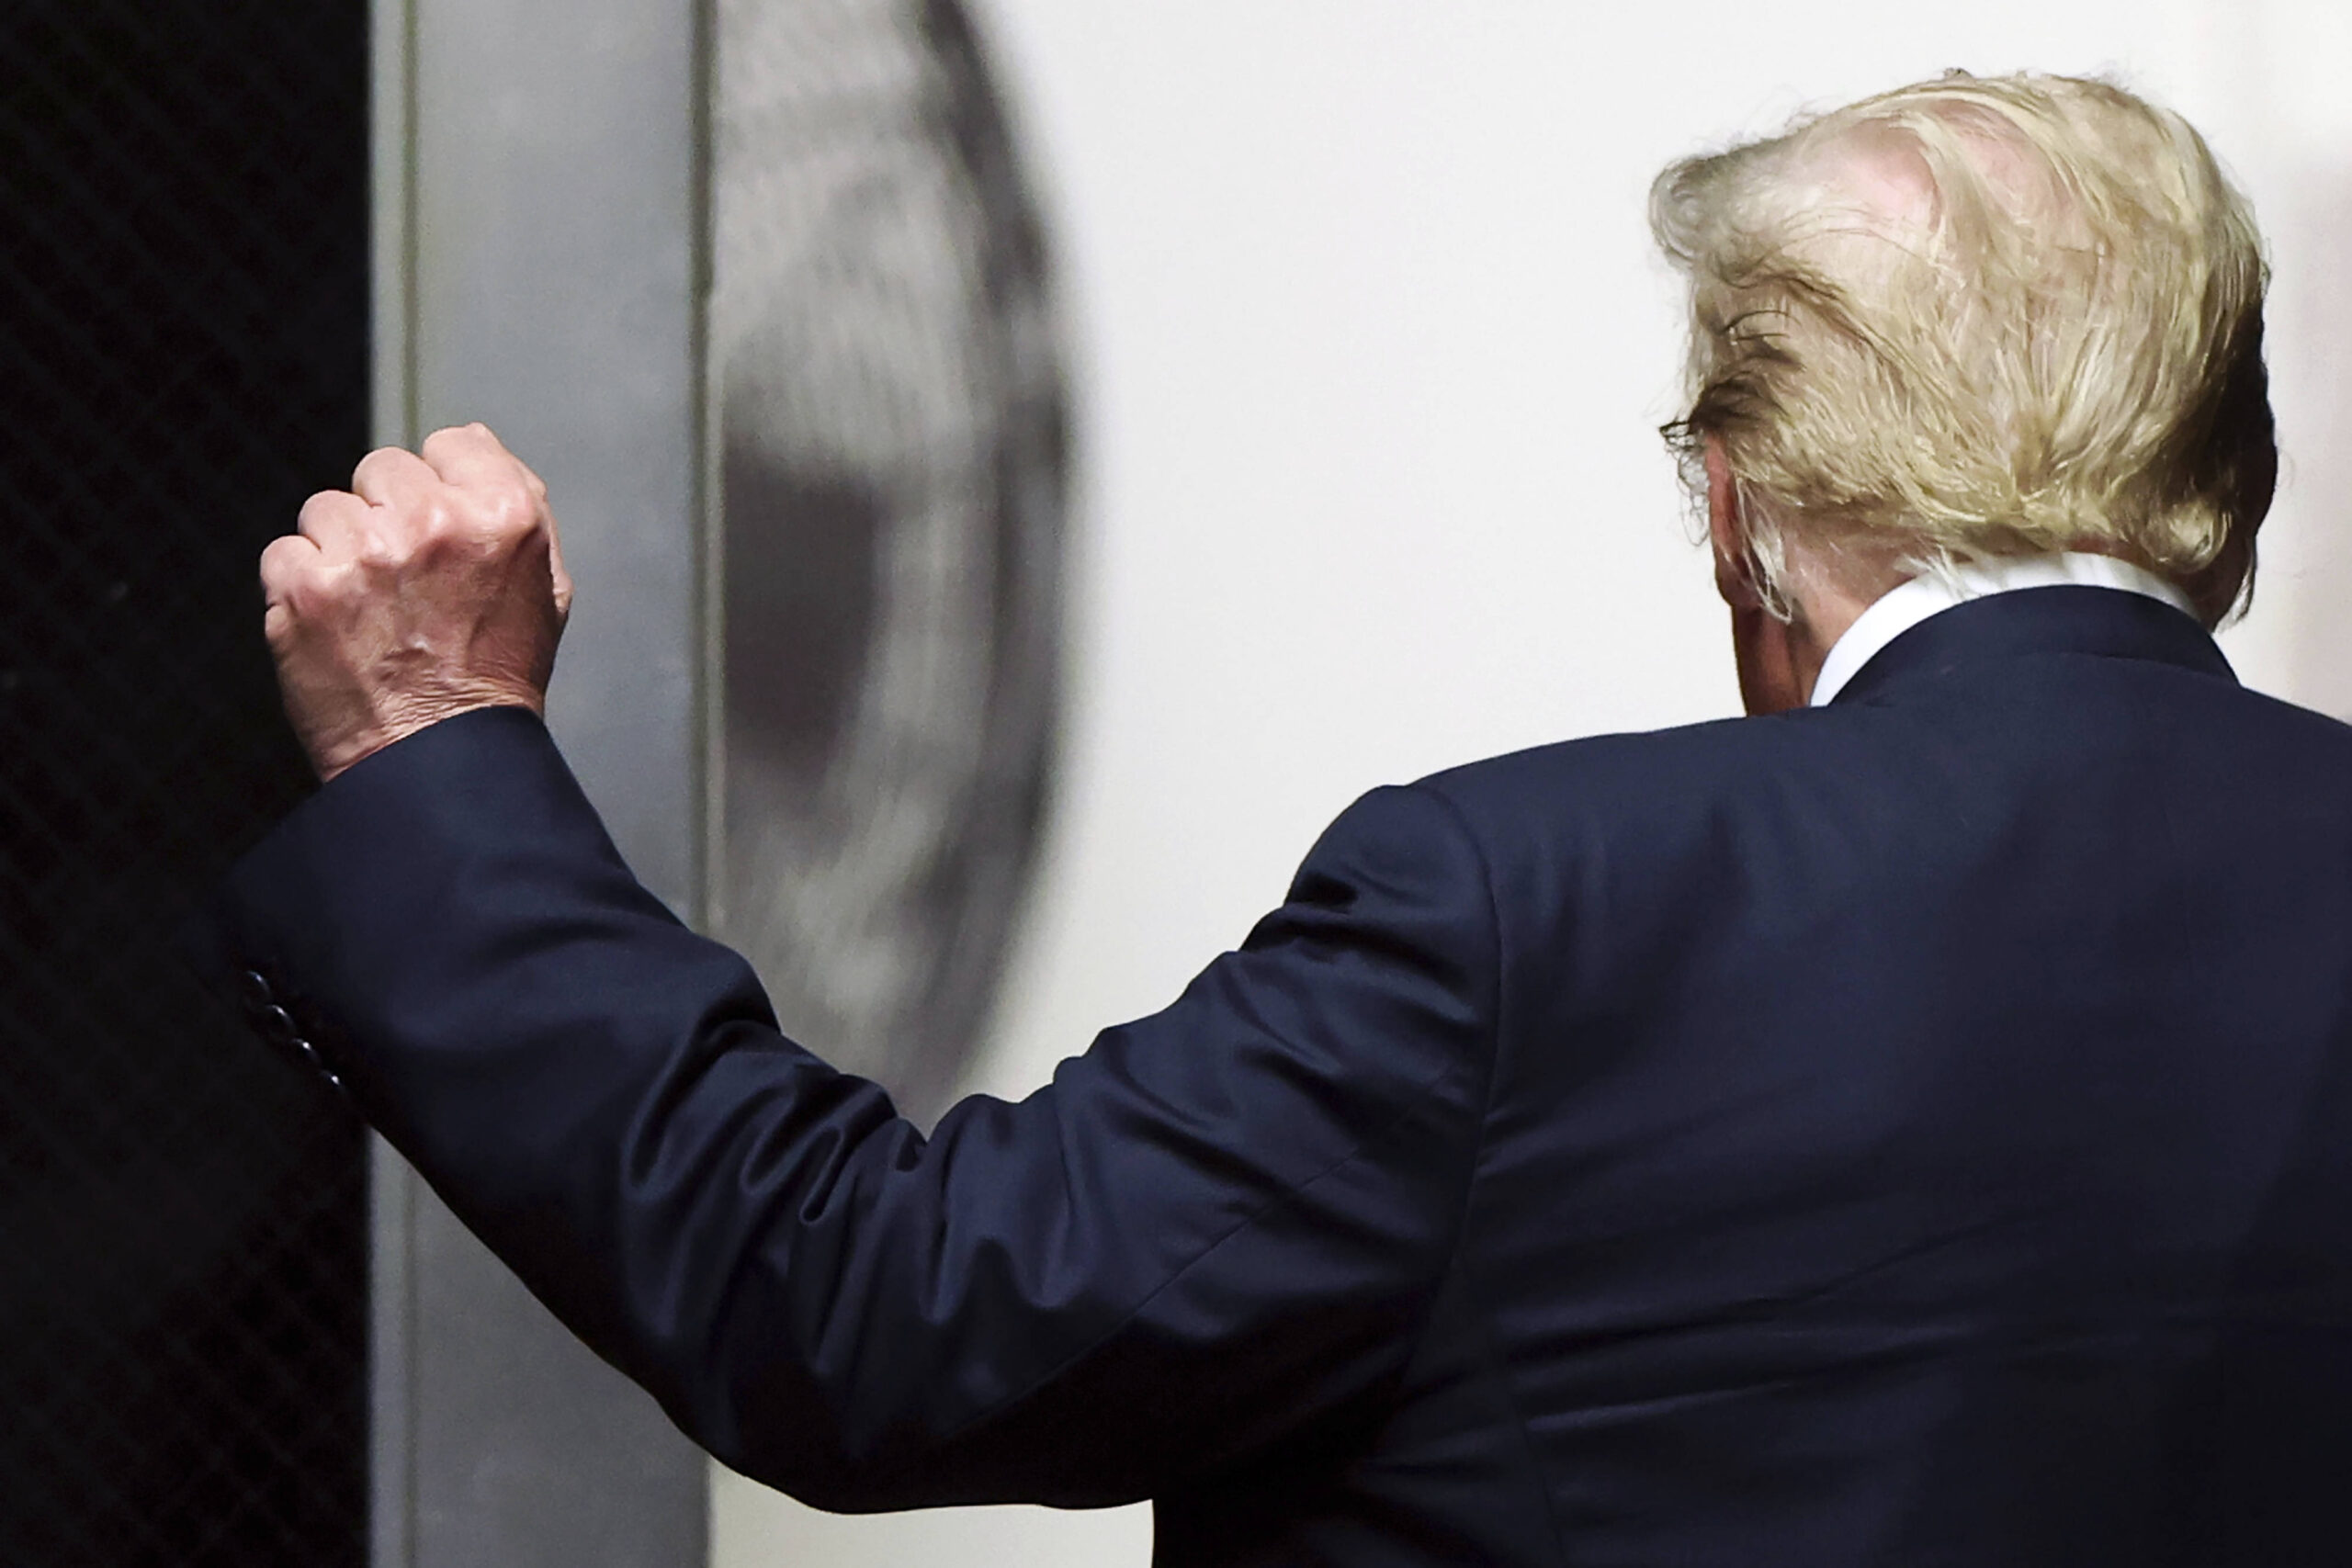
{"x": 433, "y": 586}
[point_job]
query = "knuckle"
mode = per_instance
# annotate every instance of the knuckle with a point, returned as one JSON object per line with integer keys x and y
{"x": 450, "y": 441}
{"x": 326, "y": 512}
{"x": 379, "y": 548}
{"x": 333, "y": 583}
{"x": 505, "y": 514}
{"x": 280, "y": 561}
{"x": 375, "y": 460}
{"x": 431, "y": 521}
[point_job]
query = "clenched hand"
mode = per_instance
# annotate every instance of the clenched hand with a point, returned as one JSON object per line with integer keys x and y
{"x": 433, "y": 586}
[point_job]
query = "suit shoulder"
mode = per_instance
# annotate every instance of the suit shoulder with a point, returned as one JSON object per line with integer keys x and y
{"x": 1662, "y": 797}
{"x": 1692, "y": 774}
{"x": 2306, "y": 724}
{"x": 1634, "y": 766}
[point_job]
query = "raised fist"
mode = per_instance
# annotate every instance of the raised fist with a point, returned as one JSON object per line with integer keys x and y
{"x": 433, "y": 586}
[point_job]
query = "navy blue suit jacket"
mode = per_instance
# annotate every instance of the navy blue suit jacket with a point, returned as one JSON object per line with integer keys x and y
{"x": 1915, "y": 1131}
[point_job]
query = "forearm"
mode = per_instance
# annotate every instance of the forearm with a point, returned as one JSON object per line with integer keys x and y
{"x": 602, "y": 1095}
{"x": 1220, "y": 1224}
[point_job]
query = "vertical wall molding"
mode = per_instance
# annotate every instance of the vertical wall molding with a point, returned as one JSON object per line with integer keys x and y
{"x": 541, "y": 261}
{"x": 390, "y": 1183}
{"x": 710, "y": 707}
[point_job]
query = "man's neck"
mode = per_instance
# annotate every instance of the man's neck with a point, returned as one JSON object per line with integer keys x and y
{"x": 1819, "y": 627}
{"x": 1780, "y": 661}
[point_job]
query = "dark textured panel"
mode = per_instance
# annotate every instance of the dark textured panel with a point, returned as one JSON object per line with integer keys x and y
{"x": 183, "y": 357}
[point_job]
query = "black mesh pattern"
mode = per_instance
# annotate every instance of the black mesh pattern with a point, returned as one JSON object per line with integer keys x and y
{"x": 183, "y": 359}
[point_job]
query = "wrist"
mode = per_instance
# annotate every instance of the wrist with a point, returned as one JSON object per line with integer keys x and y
{"x": 405, "y": 718}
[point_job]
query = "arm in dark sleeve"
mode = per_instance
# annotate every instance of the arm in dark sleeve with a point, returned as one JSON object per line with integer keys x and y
{"x": 1218, "y": 1227}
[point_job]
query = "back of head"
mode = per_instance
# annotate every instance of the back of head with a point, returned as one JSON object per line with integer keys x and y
{"x": 1980, "y": 317}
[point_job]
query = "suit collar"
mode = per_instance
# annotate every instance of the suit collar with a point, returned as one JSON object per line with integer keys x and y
{"x": 1954, "y": 582}
{"x": 2102, "y": 621}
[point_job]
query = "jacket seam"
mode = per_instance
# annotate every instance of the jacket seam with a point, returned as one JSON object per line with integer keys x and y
{"x": 1493, "y": 1052}
{"x": 1476, "y": 1312}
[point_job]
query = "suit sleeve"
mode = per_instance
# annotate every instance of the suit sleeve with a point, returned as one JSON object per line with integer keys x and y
{"x": 1217, "y": 1231}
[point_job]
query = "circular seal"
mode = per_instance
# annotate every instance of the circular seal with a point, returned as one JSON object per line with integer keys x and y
{"x": 890, "y": 405}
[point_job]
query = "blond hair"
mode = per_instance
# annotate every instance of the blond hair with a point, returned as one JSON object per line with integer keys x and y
{"x": 1975, "y": 317}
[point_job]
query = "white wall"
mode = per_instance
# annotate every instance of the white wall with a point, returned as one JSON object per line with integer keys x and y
{"x": 2268, "y": 81}
{"x": 1373, "y": 350}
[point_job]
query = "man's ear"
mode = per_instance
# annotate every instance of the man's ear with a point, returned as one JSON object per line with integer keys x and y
{"x": 1728, "y": 530}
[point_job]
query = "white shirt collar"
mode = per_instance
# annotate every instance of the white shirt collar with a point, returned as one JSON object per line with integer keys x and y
{"x": 1908, "y": 604}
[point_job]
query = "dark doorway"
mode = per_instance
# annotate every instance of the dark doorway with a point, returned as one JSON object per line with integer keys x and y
{"x": 183, "y": 359}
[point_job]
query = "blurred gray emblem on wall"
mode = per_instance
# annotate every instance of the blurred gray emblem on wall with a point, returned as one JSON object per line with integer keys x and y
{"x": 890, "y": 408}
